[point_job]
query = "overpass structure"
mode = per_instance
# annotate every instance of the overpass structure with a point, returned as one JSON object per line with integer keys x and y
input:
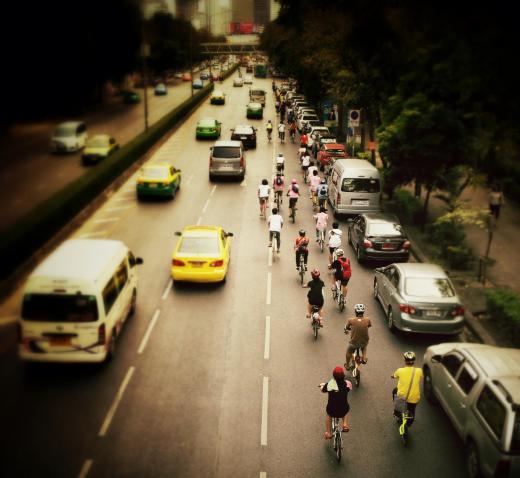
{"x": 240, "y": 45}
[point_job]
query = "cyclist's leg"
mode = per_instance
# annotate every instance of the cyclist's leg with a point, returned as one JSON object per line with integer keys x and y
{"x": 344, "y": 288}
{"x": 411, "y": 412}
{"x": 328, "y": 427}
{"x": 349, "y": 355}
{"x": 305, "y": 258}
{"x": 298, "y": 254}
{"x": 278, "y": 241}
{"x": 271, "y": 234}
{"x": 364, "y": 353}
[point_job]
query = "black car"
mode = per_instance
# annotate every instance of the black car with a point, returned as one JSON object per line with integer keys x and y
{"x": 378, "y": 236}
{"x": 246, "y": 134}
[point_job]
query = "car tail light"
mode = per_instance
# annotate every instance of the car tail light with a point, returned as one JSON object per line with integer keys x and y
{"x": 457, "y": 311}
{"x": 503, "y": 468}
{"x": 102, "y": 334}
{"x": 210, "y": 161}
{"x": 241, "y": 161}
{"x": 367, "y": 243}
{"x": 178, "y": 263}
{"x": 218, "y": 263}
{"x": 407, "y": 309}
{"x": 406, "y": 245}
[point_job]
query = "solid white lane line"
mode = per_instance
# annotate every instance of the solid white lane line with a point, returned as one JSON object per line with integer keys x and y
{"x": 117, "y": 208}
{"x": 205, "y": 206}
{"x": 212, "y": 190}
{"x": 199, "y": 220}
{"x": 168, "y": 289}
{"x": 270, "y": 256}
{"x": 85, "y": 468}
{"x": 265, "y": 399}
{"x": 267, "y": 336}
{"x": 115, "y": 404}
{"x": 268, "y": 295}
{"x": 108, "y": 219}
{"x": 146, "y": 337}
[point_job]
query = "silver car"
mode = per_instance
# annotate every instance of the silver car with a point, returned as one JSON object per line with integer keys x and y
{"x": 227, "y": 160}
{"x": 418, "y": 298}
{"x": 478, "y": 386}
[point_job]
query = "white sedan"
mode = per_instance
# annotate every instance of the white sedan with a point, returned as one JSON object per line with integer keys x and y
{"x": 248, "y": 80}
{"x": 238, "y": 81}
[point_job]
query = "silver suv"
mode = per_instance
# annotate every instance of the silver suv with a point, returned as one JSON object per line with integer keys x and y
{"x": 227, "y": 160}
{"x": 478, "y": 386}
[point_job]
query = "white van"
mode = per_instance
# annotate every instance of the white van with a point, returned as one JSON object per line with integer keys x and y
{"x": 354, "y": 187}
{"x": 76, "y": 302}
{"x": 69, "y": 137}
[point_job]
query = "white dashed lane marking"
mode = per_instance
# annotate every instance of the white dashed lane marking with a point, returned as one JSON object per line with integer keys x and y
{"x": 149, "y": 330}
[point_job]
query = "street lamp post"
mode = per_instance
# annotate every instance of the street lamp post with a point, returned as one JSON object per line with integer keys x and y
{"x": 145, "y": 51}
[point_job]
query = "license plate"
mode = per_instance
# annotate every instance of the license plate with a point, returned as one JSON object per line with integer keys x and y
{"x": 197, "y": 264}
{"x": 226, "y": 168}
{"x": 433, "y": 313}
{"x": 59, "y": 341}
{"x": 388, "y": 246}
{"x": 152, "y": 185}
{"x": 360, "y": 202}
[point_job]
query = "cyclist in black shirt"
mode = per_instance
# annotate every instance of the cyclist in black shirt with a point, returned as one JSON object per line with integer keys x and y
{"x": 315, "y": 294}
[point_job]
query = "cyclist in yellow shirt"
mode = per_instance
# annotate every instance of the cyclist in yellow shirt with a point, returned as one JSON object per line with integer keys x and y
{"x": 411, "y": 393}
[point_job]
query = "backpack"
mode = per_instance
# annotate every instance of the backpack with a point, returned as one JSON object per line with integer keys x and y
{"x": 345, "y": 268}
{"x": 323, "y": 190}
{"x": 295, "y": 188}
{"x": 279, "y": 181}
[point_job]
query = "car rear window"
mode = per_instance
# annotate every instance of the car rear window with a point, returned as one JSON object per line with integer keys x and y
{"x": 155, "y": 173}
{"x": 226, "y": 152}
{"x": 207, "y": 123}
{"x": 384, "y": 229}
{"x": 199, "y": 245}
{"x": 257, "y": 92}
{"x": 243, "y": 130}
{"x": 59, "y": 308}
{"x": 428, "y": 287}
{"x": 335, "y": 151}
{"x": 360, "y": 185}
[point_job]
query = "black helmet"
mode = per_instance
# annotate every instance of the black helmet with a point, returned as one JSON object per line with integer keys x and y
{"x": 301, "y": 232}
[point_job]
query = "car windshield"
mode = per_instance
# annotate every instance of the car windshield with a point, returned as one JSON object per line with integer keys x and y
{"x": 515, "y": 438}
{"x": 360, "y": 185}
{"x": 429, "y": 287}
{"x": 64, "y": 131}
{"x": 59, "y": 308}
{"x": 98, "y": 142}
{"x": 226, "y": 152}
{"x": 384, "y": 229}
{"x": 155, "y": 173}
{"x": 335, "y": 151}
{"x": 257, "y": 93}
{"x": 207, "y": 123}
{"x": 199, "y": 245}
{"x": 254, "y": 106}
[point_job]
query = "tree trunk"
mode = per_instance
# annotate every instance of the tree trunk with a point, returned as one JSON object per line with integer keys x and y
{"x": 425, "y": 207}
{"x": 341, "y": 136}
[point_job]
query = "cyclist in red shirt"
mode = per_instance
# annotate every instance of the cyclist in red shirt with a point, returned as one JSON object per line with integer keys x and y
{"x": 300, "y": 246}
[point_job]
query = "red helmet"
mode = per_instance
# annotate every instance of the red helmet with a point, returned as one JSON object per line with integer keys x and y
{"x": 293, "y": 181}
{"x": 338, "y": 373}
{"x": 315, "y": 273}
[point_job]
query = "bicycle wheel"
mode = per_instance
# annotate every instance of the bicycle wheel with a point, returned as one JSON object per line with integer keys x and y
{"x": 341, "y": 302}
{"x": 315, "y": 327}
{"x": 338, "y": 446}
{"x": 357, "y": 378}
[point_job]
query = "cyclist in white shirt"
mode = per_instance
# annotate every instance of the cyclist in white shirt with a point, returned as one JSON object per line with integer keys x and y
{"x": 306, "y": 161}
{"x": 280, "y": 163}
{"x": 334, "y": 241}
{"x": 281, "y": 131}
{"x": 275, "y": 223}
{"x": 263, "y": 196}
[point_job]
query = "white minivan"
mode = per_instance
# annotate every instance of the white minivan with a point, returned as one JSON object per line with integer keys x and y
{"x": 354, "y": 187}
{"x": 69, "y": 137}
{"x": 76, "y": 302}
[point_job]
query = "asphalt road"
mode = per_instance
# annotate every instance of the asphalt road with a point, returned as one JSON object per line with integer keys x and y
{"x": 226, "y": 383}
{"x": 30, "y": 173}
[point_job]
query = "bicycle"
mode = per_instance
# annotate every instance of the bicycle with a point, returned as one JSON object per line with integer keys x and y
{"x": 274, "y": 235}
{"x": 281, "y": 135}
{"x": 321, "y": 239}
{"x": 301, "y": 268}
{"x": 314, "y": 199}
{"x": 269, "y": 134}
{"x": 337, "y": 437}
{"x": 356, "y": 371}
{"x": 278, "y": 200}
{"x": 263, "y": 206}
{"x": 292, "y": 208}
{"x": 403, "y": 426}
{"x": 315, "y": 323}
{"x": 337, "y": 296}
{"x": 292, "y": 134}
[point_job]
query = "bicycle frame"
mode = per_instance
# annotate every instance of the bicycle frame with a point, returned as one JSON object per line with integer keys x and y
{"x": 301, "y": 269}
{"x": 321, "y": 239}
{"x": 315, "y": 321}
{"x": 337, "y": 439}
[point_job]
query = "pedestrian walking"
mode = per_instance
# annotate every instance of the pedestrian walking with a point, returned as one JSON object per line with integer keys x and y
{"x": 496, "y": 199}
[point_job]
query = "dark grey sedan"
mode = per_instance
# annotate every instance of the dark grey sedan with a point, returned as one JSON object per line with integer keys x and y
{"x": 378, "y": 236}
{"x": 418, "y": 298}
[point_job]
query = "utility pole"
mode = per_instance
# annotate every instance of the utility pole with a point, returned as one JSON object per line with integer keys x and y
{"x": 191, "y": 58}
{"x": 145, "y": 51}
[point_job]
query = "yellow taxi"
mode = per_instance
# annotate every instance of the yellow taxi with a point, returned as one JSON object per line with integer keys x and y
{"x": 217, "y": 98}
{"x": 201, "y": 255}
{"x": 158, "y": 179}
{"x": 98, "y": 147}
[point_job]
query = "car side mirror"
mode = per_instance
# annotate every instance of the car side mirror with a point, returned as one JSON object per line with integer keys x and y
{"x": 229, "y": 234}
{"x": 437, "y": 358}
{"x": 139, "y": 260}
{"x": 178, "y": 233}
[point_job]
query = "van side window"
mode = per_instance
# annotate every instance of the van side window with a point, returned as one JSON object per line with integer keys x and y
{"x": 467, "y": 378}
{"x": 110, "y": 293}
{"x": 451, "y": 363}
{"x": 492, "y": 411}
{"x": 121, "y": 275}
{"x": 81, "y": 128}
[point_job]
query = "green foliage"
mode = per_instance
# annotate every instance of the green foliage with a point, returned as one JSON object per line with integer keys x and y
{"x": 407, "y": 206}
{"x": 447, "y": 234}
{"x": 503, "y": 306}
{"x": 459, "y": 257}
{"x": 39, "y": 225}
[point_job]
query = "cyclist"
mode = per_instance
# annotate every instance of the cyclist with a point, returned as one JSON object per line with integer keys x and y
{"x": 304, "y": 140}
{"x": 301, "y": 154}
{"x": 293, "y": 193}
{"x": 342, "y": 272}
{"x": 277, "y": 104}
{"x": 314, "y": 181}
{"x": 263, "y": 196}
{"x": 337, "y": 404}
{"x": 275, "y": 223}
{"x": 334, "y": 241}
{"x": 273, "y": 85}
{"x": 358, "y": 327}
{"x": 279, "y": 186}
{"x": 405, "y": 385}
{"x": 322, "y": 192}
{"x": 300, "y": 246}
{"x": 281, "y": 131}
{"x": 280, "y": 162}
{"x": 269, "y": 128}
{"x": 321, "y": 222}
{"x": 290, "y": 116}
{"x": 292, "y": 130}
{"x": 315, "y": 294}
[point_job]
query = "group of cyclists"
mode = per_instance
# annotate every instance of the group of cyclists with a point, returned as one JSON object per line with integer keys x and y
{"x": 409, "y": 377}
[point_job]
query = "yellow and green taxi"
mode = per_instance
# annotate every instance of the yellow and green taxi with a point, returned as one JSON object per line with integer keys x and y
{"x": 158, "y": 179}
{"x": 201, "y": 255}
{"x": 217, "y": 98}
{"x": 255, "y": 110}
{"x": 208, "y": 128}
{"x": 98, "y": 147}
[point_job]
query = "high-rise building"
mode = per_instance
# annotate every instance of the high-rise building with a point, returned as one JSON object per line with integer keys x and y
{"x": 261, "y": 12}
{"x": 275, "y": 10}
{"x": 243, "y": 11}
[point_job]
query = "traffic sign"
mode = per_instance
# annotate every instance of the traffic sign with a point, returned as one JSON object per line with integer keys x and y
{"x": 353, "y": 118}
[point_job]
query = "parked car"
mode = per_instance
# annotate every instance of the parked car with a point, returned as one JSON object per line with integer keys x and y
{"x": 98, "y": 147}
{"x": 329, "y": 151}
{"x": 227, "y": 160}
{"x": 418, "y": 297}
{"x": 248, "y": 80}
{"x": 186, "y": 77}
{"x": 204, "y": 76}
{"x": 217, "y": 97}
{"x": 315, "y": 131}
{"x": 238, "y": 81}
{"x": 197, "y": 84}
{"x": 131, "y": 97}
{"x": 208, "y": 128}
{"x": 306, "y": 119}
{"x": 255, "y": 110}
{"x": 378, "y": 236}
{"x": 158, "y": 179}
{"x": 201, "y": 255}
{"x": 246, "y": 134}
{"x": 478, "y": 386}
{"x": 160, "y": 89}
{"x": 178, "y": 76}
{"x": 327, "y": 139}
{"x": 69, "y": 137}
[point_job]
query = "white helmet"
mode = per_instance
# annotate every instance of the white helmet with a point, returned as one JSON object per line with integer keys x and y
{"x": 359, "y": 309}
{"x": 339, "y": 252}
